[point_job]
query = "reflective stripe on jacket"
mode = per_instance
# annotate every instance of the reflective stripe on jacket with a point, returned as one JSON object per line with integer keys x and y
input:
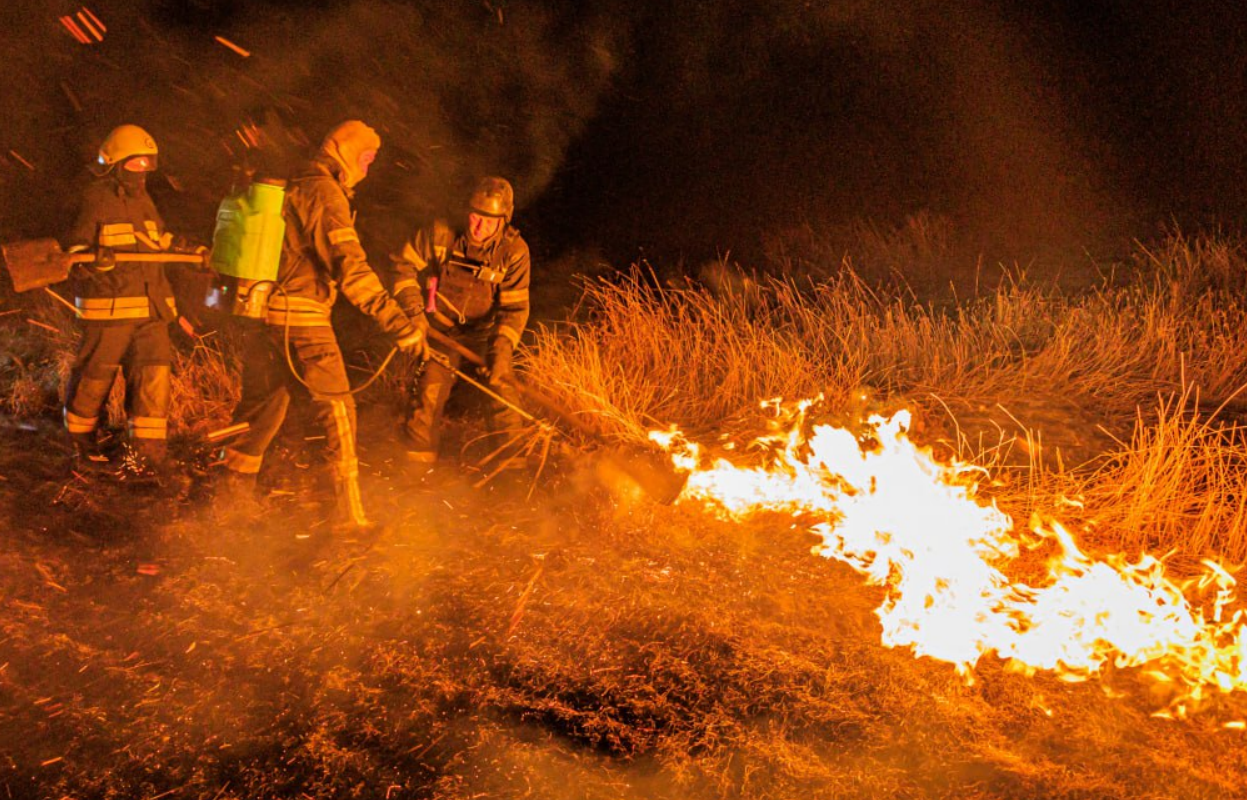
{"x": 321, "y": 256}
{"x": 298, "y": 312}
{"x": 118, "y": 308}
{"x": 483, "y": 285}
{"x": 126, "y": 221}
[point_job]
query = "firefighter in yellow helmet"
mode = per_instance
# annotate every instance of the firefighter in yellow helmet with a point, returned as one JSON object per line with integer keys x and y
{"x": 321, "y": 257}
{"x": 470, "y": 283}
{"x": 125, "y": 307}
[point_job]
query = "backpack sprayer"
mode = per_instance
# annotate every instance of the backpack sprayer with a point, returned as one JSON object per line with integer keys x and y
{"x": 246, "y": 249}
{"x": 246, "y": 254}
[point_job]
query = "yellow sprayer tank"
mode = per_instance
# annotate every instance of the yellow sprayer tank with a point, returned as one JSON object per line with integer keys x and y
{"x": 246, "y": 249}
{"x": 249, "y": 232}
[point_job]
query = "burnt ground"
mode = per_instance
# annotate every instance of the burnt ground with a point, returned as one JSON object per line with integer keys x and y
{"x": 578, "y": 643}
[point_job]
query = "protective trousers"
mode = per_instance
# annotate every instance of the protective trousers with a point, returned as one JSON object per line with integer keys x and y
{"x": 142, "y": 351}
{"x": 432, "y": 390}
{"x": 267, "y": 383}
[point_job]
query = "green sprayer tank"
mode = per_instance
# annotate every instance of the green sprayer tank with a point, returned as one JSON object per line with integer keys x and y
{"x": 246, "y": 248}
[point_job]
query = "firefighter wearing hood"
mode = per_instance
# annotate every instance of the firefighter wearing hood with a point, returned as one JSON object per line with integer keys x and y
{"x": 125, "y": 307}
{"x": 470, "y": 283}
{"x": 298, "y": 349}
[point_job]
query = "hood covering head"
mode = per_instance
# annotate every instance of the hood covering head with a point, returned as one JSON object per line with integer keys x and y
{"x": 352, "y": 144}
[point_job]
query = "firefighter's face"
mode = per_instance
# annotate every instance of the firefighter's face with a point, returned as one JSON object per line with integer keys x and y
{"x": 365, "y": 161}
{"x": 481, "y": 227}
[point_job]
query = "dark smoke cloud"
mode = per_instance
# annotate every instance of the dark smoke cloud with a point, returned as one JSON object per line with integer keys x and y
{"x": 745, "y": 117}
{"x": 683, "y": 128}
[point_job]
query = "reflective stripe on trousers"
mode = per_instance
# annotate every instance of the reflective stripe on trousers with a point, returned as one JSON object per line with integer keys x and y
{"x": 141, "y": 351}
{"x": 267, "y": 386}
{"x": 346, "y": 470}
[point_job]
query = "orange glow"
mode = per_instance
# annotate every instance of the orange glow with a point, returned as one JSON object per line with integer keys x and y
{"x": 917, "y": 527}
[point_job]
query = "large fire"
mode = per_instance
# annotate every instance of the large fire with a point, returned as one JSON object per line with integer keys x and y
{"x": 894, "y": 513}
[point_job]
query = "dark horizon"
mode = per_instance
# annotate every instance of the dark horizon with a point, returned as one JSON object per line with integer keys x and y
{"x": 672, "y": 131}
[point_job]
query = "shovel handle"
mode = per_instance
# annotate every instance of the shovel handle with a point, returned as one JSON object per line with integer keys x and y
{"x": 650, "y": 469}
{"x": 544, "y": 402}
{"x": 164, "y": 258}
{"x": 450, "y": 344}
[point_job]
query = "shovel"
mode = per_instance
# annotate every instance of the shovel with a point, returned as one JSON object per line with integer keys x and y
{"x": 650, "y": 469}
{"x": 38, "y": 263}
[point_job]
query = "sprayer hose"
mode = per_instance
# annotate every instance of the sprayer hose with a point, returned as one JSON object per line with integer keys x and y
{"x": 294, "y": 370}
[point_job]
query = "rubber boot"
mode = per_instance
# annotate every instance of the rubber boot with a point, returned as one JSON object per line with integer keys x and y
{"x": 88, "y": 458}
{"x": 349, "y": 517}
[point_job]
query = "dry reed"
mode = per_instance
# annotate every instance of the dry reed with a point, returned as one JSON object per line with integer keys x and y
{"x": 1135, "y": 352}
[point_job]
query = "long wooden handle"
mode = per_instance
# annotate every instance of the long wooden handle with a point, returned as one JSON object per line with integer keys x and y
{"x": 649, "y": 468}
{"x": 451, "y": 344}
{"x": 164, "y": 258}
{"x": 547, "y": 404}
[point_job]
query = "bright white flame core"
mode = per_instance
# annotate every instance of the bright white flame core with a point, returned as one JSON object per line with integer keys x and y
{"x": 916, "y": 526}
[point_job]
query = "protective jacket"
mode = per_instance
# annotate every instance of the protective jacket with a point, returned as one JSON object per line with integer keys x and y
{"x": 480, "y": 298}
{"x": 124, "y": 219}
{"x": 479, "y": 286}
{"x": 322, "y": 255}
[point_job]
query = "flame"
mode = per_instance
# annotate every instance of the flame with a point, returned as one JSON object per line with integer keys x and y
{"x": 906, "y": 521}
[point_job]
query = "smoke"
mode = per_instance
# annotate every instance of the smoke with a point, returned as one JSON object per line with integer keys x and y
{"x": 456, "y": 91}
{"x": 679, "y": 128}
{"x": 777, "y": 113}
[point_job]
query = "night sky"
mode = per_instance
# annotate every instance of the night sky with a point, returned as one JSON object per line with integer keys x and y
{"x": 670, "y": 129}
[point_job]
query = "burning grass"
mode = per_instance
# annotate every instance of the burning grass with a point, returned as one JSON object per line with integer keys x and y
{"x": 579, "y": 646}
{"x": 1143, "y": 374}
{"x": 509, "y": 650}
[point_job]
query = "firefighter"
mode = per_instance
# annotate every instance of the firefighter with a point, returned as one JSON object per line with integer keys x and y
{"x": 479, "y": 298}
{"x": 321, "y": 256}
{"x": 125, "y": 308}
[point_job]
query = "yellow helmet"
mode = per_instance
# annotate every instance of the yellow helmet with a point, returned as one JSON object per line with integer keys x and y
{"x": 126, "y": 141}
{"x": 493, "y": 197}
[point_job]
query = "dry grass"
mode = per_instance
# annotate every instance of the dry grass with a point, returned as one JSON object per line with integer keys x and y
{"x": 1181, "y": 484}
{"x": 40, "y": 339}
{"x": 1132, "y": 354}
{"x": 206, "y": 384}
{"x": 573, "y": 648}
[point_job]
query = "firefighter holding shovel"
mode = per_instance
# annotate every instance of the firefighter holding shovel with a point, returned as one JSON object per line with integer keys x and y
{"x": 125, "y": 303}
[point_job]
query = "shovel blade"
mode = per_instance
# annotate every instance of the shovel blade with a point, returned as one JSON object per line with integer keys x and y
{"x": 35, "y": 263}
{"x": 651, "y": 472}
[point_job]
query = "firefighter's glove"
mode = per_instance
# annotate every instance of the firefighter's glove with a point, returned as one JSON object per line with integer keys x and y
{"x": 421, "y": 325}
{"x": 105, "y": 259}
{"x": 185, "y": 246}
{"x": 498, "y": 361}
{"x": 415, "y": 344}
{"x": 409, "y": 301}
